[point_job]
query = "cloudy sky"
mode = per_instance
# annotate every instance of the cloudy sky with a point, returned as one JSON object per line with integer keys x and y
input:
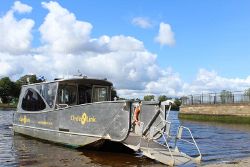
{"x": 174, "y": 48}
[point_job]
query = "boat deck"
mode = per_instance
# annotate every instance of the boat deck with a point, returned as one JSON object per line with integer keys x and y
{"x": 157, "y": 151}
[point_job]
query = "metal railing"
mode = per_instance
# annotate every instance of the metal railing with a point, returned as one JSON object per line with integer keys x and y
{"x": 217, "y": 98}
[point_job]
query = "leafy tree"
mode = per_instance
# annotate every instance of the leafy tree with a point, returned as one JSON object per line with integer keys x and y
{"x": 18, "y": 86}
{"x": 113, "y": 93}
{"x": 226, "y": 96}
{"x": 149, "y": 97}
{"x": 28, "y": 79}
{"x": 137, "y": 99}
{"x": 8, "y": 90}
{"x": 247, "y": 92}
{"x": 163, "y": 98}
{"x": 177, "y": 102}
{"x": 24, "y": 80}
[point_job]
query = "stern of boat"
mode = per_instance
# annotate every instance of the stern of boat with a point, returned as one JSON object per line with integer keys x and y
{"x": 153, "y": 136}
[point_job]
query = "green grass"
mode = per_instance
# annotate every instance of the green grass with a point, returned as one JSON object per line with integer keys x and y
{"x": 216, "y": 118}
{"x": 9, "y": 105}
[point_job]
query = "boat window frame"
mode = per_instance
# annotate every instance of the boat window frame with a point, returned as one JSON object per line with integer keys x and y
{"x": 100, "y": 86}
{"x": 33, "y": 86}
{"x": 66, "y": 105}
{"x": 38, "y": 104}
{"x": 79, "y": 86}
{"x": 56, "y": 87}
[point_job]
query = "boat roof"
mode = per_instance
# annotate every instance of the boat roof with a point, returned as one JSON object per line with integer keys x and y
{"x": 79, "y": 80}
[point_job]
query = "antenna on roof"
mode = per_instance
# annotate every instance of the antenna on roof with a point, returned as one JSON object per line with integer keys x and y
{"x": 79, "y": 73}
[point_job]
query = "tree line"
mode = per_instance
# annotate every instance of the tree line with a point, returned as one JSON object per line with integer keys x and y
{"x": 161, "y": 98}
{"x": 10, "y": 90}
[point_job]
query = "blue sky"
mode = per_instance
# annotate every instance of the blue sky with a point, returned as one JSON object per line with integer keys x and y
{"x": 211, "y": 37}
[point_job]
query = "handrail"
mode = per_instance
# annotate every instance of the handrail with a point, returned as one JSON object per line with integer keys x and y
{"x": 168, "y": 112}
{"x": 179, "y": 138}
{"x": 166, "y": 145}
{"x": 165, "y": 141}
{"x": 168, "y": 148}
{"x": 163, "y": 128}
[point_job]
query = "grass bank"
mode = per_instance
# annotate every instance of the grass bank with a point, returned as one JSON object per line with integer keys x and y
{"x": 8, "y": 106}
{"x": 216, "y": 118}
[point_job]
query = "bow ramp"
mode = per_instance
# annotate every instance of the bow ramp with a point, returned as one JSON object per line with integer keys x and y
{"x": 145, "y": 137}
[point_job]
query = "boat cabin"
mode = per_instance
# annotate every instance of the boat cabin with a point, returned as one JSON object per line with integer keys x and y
{"x": 63, "y": 93}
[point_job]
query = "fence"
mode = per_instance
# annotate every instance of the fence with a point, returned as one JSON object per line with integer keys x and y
{"x": 225, "y": 97}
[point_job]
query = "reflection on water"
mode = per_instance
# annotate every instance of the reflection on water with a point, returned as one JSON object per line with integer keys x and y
{"x": 218, "y": 142}
{"x": 32, "y": 152}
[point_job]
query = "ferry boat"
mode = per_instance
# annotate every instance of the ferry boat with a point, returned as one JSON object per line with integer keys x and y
{"x": 80, "y": 112}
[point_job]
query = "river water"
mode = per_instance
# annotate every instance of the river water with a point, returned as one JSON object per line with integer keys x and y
{"x": 217, "y": 142}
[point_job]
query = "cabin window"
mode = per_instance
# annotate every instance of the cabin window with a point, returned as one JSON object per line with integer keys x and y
{"x": 84, "y": 94}
{"x": 100, "y": 94}
{"x": 67, "y": 95}
{"x": 48, "y": 92}
{"x": 32, "y": 101}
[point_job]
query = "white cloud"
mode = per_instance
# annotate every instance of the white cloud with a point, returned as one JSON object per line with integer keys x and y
{"x": 169, "y": 83}
{"x": 21, "y": 8}
{"x": 61, "y": 32}
{"x": 9, "y": 66}
{"x": 122, "y": 43}
{"x": 6, "y": 69}
{"x": 142, "y": 22}
{"x": 16, "y": 36}
{"x": 165, "y": 35}
{"x": 131, "y": 93}
{"x": 210, "y": 81}
{"x": 68, "y": 47}
{"x": 121, "y": 58}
